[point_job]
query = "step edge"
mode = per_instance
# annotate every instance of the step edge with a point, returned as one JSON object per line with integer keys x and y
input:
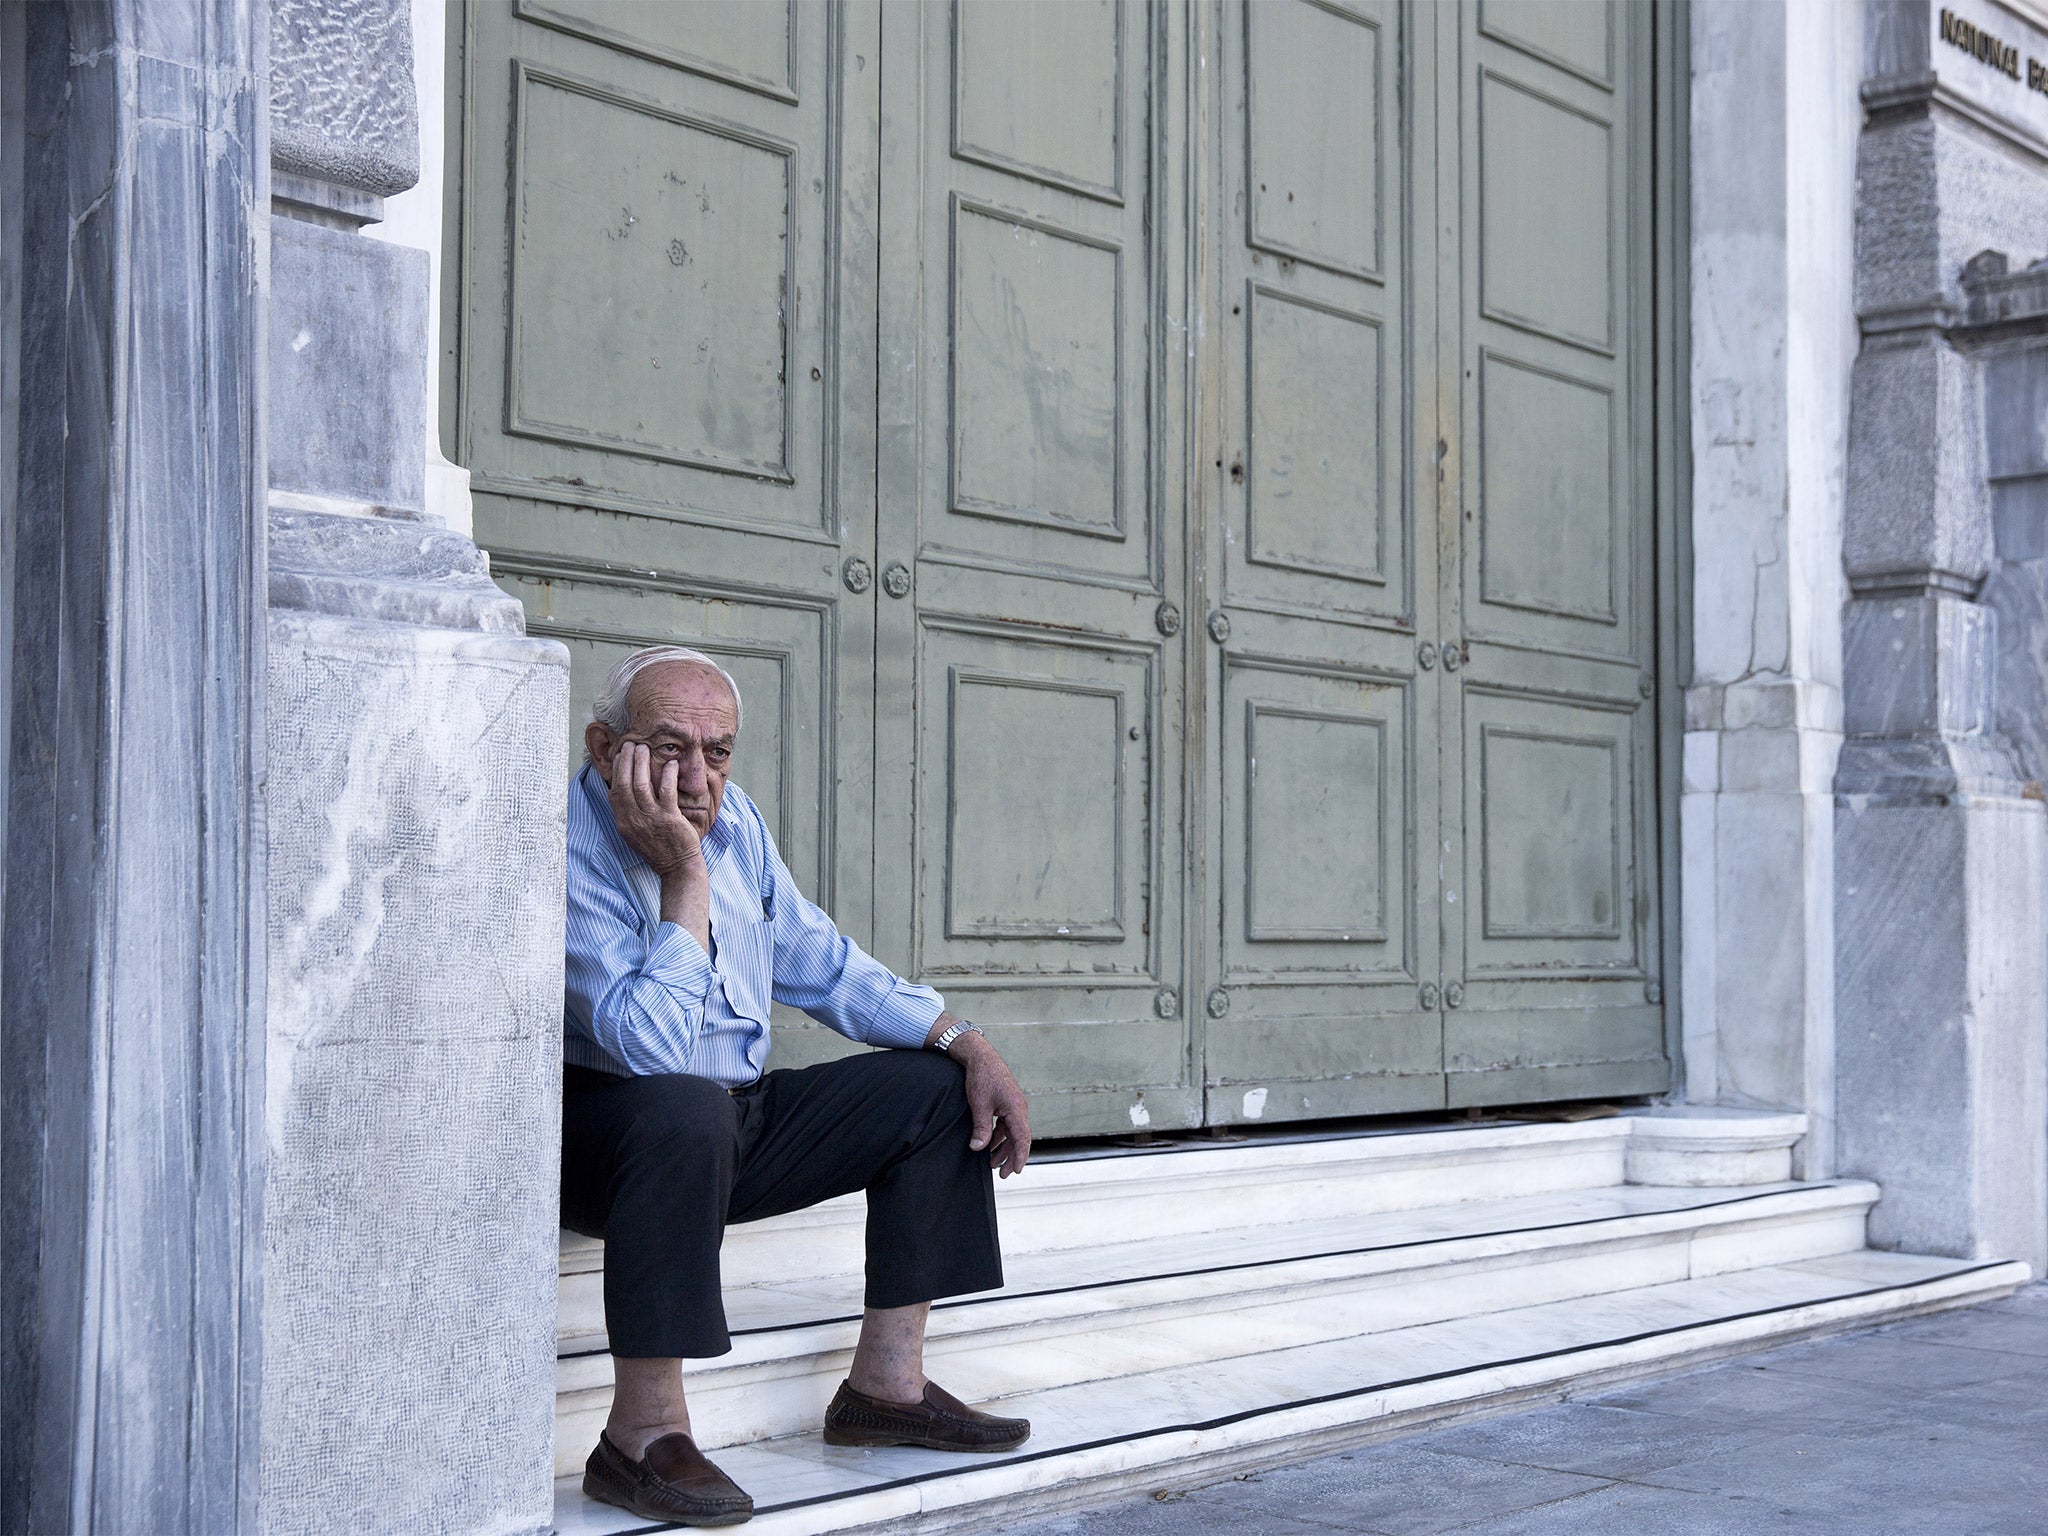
{"x": 1227, "y": 1165}
{"x": 834, "y": 1335}
{"x": 590, "y": 1260}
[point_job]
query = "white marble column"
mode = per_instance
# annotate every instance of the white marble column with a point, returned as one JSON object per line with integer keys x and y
{"x": 1774, "y": 118}
{"x": 416, "y": 844}
{"x": 414, "y": 218}
{"x": 131, "y": 1084}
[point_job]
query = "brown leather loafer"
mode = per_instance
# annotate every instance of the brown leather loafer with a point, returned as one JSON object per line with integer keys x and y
{"x": 941, "y": 1422}
{"x": 673, "y": 1481}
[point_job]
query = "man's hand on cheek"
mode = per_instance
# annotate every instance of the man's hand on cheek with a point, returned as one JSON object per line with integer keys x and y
{"x": 650, "y": 820}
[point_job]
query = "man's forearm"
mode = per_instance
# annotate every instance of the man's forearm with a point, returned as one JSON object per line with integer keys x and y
{"x": 686, "y": 901}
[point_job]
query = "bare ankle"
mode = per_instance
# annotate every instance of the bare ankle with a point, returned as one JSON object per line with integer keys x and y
{"x": 647, "y": 1403}
{"x": 634, "y": 1438}
{"x": 888, "y": 1359}
{"x": 895, "y": 1387}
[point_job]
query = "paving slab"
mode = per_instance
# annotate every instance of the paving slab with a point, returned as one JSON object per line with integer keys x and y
{"x": 1628, "y": 1509}
{"x": 1377, "y": 1492}
{"x": 1592, "y": 1439}
{"x": 1743, "y": 1394}
{"x": 1891, "y": 1363}
{"x": 2020, "y": 1333}
{"x": 1938, "y": 1426}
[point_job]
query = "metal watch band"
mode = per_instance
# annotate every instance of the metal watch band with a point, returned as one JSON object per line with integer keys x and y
{"x": 953, "y": 1032}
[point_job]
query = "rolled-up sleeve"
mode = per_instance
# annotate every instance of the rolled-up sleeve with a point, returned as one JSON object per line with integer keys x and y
{"x": 640, "y": 998}
{"x": 835, "y": 981}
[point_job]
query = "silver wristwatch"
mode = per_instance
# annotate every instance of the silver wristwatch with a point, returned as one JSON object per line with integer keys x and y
{"x": 954, "y": 1031}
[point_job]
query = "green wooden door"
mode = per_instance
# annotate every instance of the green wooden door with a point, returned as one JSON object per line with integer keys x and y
{"x": 665, "y": 372}
{"x": 1173, "y": 481}
{"x": 1322, "y": 728}
{"x": 1029, "y": 675}
{"x": 1430, "y": 736}
{"x": 1551, "y": 946}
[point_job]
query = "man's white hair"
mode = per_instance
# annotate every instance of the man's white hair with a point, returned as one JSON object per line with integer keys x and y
{"x": 608, "y": 709}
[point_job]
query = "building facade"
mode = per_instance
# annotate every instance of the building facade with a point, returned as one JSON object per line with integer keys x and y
{"x": 1300, "y": 559}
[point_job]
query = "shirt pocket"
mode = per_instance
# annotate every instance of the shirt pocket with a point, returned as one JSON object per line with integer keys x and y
{"x": 746, "y": 967}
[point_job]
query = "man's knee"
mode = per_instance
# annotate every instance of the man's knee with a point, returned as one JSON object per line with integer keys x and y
{"x": 932, "y": 1079}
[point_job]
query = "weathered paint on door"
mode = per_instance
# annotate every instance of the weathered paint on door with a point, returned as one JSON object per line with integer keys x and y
{"x": 666, "y": 372}
{"x": 1551, "y": 939}
{"x": 1170, "y": 479}
{"x": 1322, "y": 732}
{"x": 1028, "y": 803}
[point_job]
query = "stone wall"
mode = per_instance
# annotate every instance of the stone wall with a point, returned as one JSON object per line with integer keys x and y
{"x": 416, "y": 840}
{"x": 416, "y": 854}
{"x": 1774, "y": 119}
{"x": 1941, "y": 838}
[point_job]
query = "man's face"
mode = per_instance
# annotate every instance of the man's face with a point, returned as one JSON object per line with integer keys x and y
{"x": 683, "y": 714}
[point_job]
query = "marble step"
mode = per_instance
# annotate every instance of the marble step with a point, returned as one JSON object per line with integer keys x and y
{"x": 1120, "y": 1308}
{"x": 1084, "y": 1201}
{"x": 1095, "y": 1439}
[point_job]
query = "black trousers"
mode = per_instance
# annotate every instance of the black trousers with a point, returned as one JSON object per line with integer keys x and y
{"x": 657, "y": 1166}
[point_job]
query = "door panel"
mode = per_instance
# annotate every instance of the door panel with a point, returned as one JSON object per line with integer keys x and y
{"x": 1029, "y": 704}
{"x": 1317, "y": 889}
{"x": 1325, "y": 770}
{"x": 1550, "y": 931}
{"x": 666, "y": 373}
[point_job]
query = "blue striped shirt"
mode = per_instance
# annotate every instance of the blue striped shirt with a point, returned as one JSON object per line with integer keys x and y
{"x": 643, "y": 997}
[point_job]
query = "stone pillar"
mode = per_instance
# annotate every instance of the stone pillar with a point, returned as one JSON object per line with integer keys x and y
{"x": 416, "y": 866}
{"x": 1941, "y": 854}
{"x": 132, "y": 1072}
{"x": 2008, "y": 318}
{"x": 414, "y": 218}
{"x": 2007, "y": 321}
{"x": 1774, "y": 118}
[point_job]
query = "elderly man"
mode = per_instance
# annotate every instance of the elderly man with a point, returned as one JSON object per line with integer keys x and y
{"x": 683, "y": 925}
